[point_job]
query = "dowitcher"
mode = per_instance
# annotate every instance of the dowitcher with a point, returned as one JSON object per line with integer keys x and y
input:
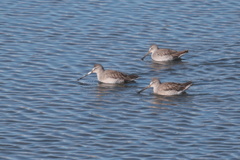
{"x": 110, "y": 76}
{"x": 168, "y": 88}
{"x": 159, "y": 54}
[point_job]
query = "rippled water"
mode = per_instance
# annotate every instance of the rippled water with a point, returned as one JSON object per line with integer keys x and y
{"x": 46, "y": 45}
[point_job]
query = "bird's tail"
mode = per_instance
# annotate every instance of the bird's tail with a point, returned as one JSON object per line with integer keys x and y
{"x": 133, "y": 77}
{"x": 187, "y": 85}
{"x": 181, "y": 53}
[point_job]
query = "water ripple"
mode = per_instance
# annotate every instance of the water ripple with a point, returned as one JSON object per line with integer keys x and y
{"x": 47, "y": 45}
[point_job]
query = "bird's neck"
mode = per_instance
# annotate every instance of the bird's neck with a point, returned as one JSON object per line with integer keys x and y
{"x": 100, "y": 74}
{"x": 155, "y": 87}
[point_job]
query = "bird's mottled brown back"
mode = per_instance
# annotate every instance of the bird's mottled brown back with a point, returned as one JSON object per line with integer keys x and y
{"x": 163, "y": 52}
{"x": 120, "y": 75}
{"x": 174, "y": 86}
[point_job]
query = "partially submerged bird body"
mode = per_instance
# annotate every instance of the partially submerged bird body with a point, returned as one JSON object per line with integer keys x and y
{"x": 164, "y": 54}
{"x": 111, "y": 76}
{"x": 168, "y": 88}
{"x": 171, "y": 88}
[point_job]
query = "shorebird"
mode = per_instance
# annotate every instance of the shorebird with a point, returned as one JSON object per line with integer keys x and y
{"x": 110, "y": 76}
{"x": 168, "y": 88}
{"x": 159, "y": 54}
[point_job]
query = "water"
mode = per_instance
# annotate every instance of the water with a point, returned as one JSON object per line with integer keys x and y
{"x": 46, "y": 45}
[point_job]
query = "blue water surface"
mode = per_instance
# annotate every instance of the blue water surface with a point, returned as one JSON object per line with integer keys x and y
{"x": 46, "y": 45}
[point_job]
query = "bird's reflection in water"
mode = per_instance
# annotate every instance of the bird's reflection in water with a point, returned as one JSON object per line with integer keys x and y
{"x": 159, "y": 100}
{"x": 106, "y": 89}
{"x": 162, "y": 100}
{"x": 165, "y": 64}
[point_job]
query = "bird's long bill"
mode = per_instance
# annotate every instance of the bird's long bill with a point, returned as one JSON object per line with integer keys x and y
{"x": 145, "y": 55}
{"x": 144, "y": 89}
{"x": 85, "y": 75}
